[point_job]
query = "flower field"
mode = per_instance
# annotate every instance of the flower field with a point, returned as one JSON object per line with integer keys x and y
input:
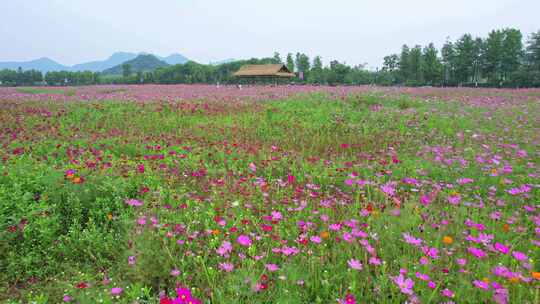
{"x": 288, "y": 194}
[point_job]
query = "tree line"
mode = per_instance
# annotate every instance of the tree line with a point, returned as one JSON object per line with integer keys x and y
{"x": 499, "y": 60}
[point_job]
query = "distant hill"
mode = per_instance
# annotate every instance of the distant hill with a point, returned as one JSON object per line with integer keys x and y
{"x": 223, "y": 61}
{"x": 174, "y": 59}
{"x": 45, "y": 64}
{"x": 101, "y": 65}
{"x": 143, "y": 63}
{"x": 42, "y": 64}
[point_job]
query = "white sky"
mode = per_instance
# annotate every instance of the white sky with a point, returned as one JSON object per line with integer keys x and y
{"x": 354, "y": 31}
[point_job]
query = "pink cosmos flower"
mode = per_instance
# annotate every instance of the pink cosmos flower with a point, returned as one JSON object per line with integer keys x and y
{"x": 225, "y": 248}
{"x": 411, "y": 240}
{"x": 115, "y": 291}
{"x": 501, "y": 248}
{"x": 227, "y": 267}
{"x": 276, "y": 216}
{"x": 374, "y": 261}
{"x": 272, "y": 267}
{"x": 447, "y": 293}
{"x": 141, "y": 221}
{"x": 463, "y": 181}
{"x": 479, "y": 253}
{"x": 244, "y": 240}
{"x": 389, "y": 189}
{"x": 481, "y": 284}
{"x": 134, "y": 202}
{"x": 405, "y": 285}
{"x": 67, "y": 298}
{"x": 252, "y": 167}
{"x": 355, "y": 264}
{"x": 175, "y": 272}
{"x": 349, "y": 299}
{"x": 520, "y": 256}
{"x": 454, "y": 199}
{"x": 315, "y": 239}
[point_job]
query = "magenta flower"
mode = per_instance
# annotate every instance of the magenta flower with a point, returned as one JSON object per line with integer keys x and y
{"x": 115, "y": 291}
{"x": 481, "y": 284}
{"x": 227, "y": 267}
{"x": 405, "y": 285}
{"x": 478, "y": 253}
{"x": 184, "y": 294}
{"x": 244, "y": 240}
{"x": 316, "y": 239}
{"x": 355, "y": 264}
{"x": 374, "y": 261}
{"x": 501, "y": 248}
{"x": 272, "y": 267}
{"x": 67, "y": 298}
{"x": 520, "y": 256}
{"x": 447, "y": 293}
{"x": 134, "y": 202}
{"x": 411, "y": 240}
{"x": 224, "y": 249}
{"x": 389, "y": 189}
{"x": 175, "y": 272}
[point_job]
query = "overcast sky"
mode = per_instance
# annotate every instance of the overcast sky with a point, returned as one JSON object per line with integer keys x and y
{"x": 354, "y": 31}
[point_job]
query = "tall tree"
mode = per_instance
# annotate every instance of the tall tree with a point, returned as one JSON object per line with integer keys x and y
{"x": 512, "y": 53}
{"x": 415, "y": 65}
{"x": 448, "y": 54}
{"x": 404, "y": 64}
{"x": 465, "y": 58}
{"x": 493, "y": 57}
{"x": 316, "y": 73}
{"x": 533, "y": 51}
{"x": 290, "y": 62}
{"x": 432, "y": 67}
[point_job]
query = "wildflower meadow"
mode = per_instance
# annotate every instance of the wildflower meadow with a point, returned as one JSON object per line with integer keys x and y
{"x": 269, "y": 194}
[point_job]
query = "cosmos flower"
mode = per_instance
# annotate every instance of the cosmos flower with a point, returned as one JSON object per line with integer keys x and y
{"x": 355, "y": 264}
{"x": 405, "y": 284}
{"x": 134, "y": 202}
{"x": 244, "y": 240}
{"x": 227, "y": 267}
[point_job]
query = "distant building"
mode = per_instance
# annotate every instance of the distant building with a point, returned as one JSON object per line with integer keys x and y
{"x": 264, "y": 72}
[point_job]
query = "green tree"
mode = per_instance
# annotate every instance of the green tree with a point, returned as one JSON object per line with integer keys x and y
{"x": 316, "y": 74}
{"x": 416, "y": 76}
{"x": 465, "y": 59}
{"x": 448, "y": 54}
{"x": 432, "y": 67}
{"x": 404, "y": 64}
{"x": 493, "y": 57}
{"x": 512, "y": 52}
{"x": 290, "y": 62}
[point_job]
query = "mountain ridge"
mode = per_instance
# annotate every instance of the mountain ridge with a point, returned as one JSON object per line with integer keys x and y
{"x": 45, "y": 64}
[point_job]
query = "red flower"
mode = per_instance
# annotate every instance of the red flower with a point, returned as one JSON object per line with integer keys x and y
{"x": 165, "y": 300}
{"x": 82, "y": 285}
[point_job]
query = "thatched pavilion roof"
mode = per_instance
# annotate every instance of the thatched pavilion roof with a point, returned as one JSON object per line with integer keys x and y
{"x": 264, "y": 70}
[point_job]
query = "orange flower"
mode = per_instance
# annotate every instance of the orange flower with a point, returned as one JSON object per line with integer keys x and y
{"x": 70, "y": 175}
{"x": 325, "y": 234}
{"x": 448, "y": 240}
{"x": 486, "y": 280}
{"x": 215, "y": 232}
{"x": 77, "y": 180}
{"x": 506, "y": 227}
{"x": 536, "y": 275}
{"x": 109, "y": 216}
{"x": 514, "y": 280}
